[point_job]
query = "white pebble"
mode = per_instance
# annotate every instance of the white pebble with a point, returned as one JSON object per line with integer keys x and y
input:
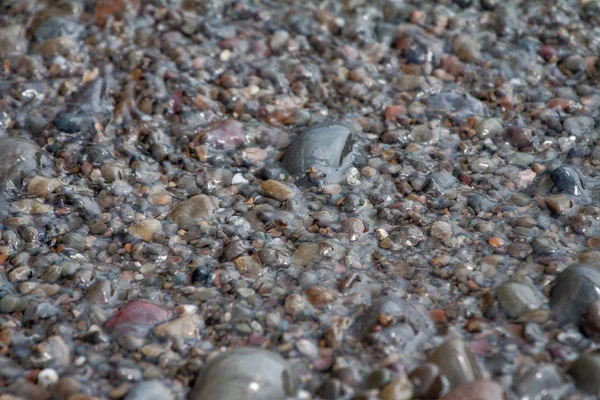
{"x": 47, "y": 377}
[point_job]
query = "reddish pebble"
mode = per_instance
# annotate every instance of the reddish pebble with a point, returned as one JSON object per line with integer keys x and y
{"x": 558, "y": 102}
{"x": 137, "y": 318}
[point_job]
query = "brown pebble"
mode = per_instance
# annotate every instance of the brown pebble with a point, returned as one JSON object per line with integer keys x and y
{"x": 320, "y": 296}
{"x": 277, "y": 190}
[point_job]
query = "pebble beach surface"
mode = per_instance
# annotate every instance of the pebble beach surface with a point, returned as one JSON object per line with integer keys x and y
{"x": 270, "y": 200}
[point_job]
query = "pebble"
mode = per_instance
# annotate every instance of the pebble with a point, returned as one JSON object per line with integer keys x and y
{"x": 558, "y": 204}
{"x": 224, "y": 135}
{"x": 47, "y": 377}
{"x": 540, "y": 381}
{"x": 456, "y": 363}
{"x": 399, "y": 389}
{"x": 427, "y": 380}
{"x": 53, "y": 352}
{"x": 136, "y": 318}
{"x": 277, "y": 190}
{"x": 102, "y": 292}
{"x": 150, "y": 390}
{"x": 584, "y": 372}
{"x": 245, "y": 373}
{"x": 328, "y": 149}
{"x": 480, "y": 390}
{"x": 186, "y": 327}
{"x": 190, "y": 212}
{"x": 518, "y": 298}
{"x": 574, "y": 290}
{"x": 145, "y": 229}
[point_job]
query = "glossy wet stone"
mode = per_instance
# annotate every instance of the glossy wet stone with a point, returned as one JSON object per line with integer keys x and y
{"x": 584, "y": 372}
{"x": 192, "y": 211}
{"x": 427, "y": 380}
{"x": 567, "y": 180}
{"x": 518, "y": 298}
{"x": 574, "y": 290}
{"x": 328, "y": 150}
{"x": 136, "y": 318}
{"x": 459, "y": 105}
{"x": 245, "y": 373}
{"x": 150, "y": 390}
{"x": 480, "y": 390}
{"x": 541, "y": 380}
{"x": 456, "y": 362}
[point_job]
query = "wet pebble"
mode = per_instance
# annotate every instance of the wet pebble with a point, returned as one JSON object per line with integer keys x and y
{"x": 517, "y": 298}
{"x": 245, "y": 373}
{"x": 456, "y": 362}
{"x": 136, "y": 318}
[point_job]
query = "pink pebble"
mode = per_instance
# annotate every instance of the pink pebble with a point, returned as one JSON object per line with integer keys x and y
{"x": 136, "y": 319}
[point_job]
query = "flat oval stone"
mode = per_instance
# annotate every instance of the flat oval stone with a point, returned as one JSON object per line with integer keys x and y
{"x": 574, "y": 290}
{"x": 20, "y": 157}
{"x": 517, "y": 298}
{"x": 328, "y": 149}
{"x": 136, "y": 319}
{"x": 245, "y": 373}
{"x": 456, "y": 362}
{"x": 189, "y": 212}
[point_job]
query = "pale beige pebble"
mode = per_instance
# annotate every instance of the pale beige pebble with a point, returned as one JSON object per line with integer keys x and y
{"x": 277, "y": 190}
{"x": 526, "y": 177}
{"x": 254, "y": 154}
{"x": 305, "y": 253}
{"x": 145, "y": 229}
{"x": 19, "y": 274}
{"x": 192, "y": 211}
{"x": 398, "y": 389}
{"x": 186, "y": 327}
{"x": 480, "y": 390}
{"x": 32, "y": 206}
{"x": 40, "y": 186}
{"x": 53, "y": 351}
{"x": 466, "y": 48}
{"x": 334, "y": 188}
{"x": 294, "y": 303}
{"x": 160, "y": 198}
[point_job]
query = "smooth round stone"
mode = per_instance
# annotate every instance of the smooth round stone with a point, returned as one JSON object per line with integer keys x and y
{"x": 245, "y": 373}
{"x": 136, "y": 319}
{"x": 567, "y": 180}
{"x": 378, "y": 379}
{"x": 145, "y": 229}
{"x": 574, "y": 290}
{"x": 102, "y": 292}
{"x": 480, "y": 390}
{"x": 398, "y": 389}
{"x": 193, "y": 210}
{"x": 578, "y": 125}
{"x": 427, "y": 381}
{"x": 150, "y": 390}
{"x": 541, "y": 381}
{"x": 329, "y": 149}
{"x": 456, "y": 362}
{"x": 586, "y": 373}
{"x": 517, "y": 298}
{"x": 488, "y": 127}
